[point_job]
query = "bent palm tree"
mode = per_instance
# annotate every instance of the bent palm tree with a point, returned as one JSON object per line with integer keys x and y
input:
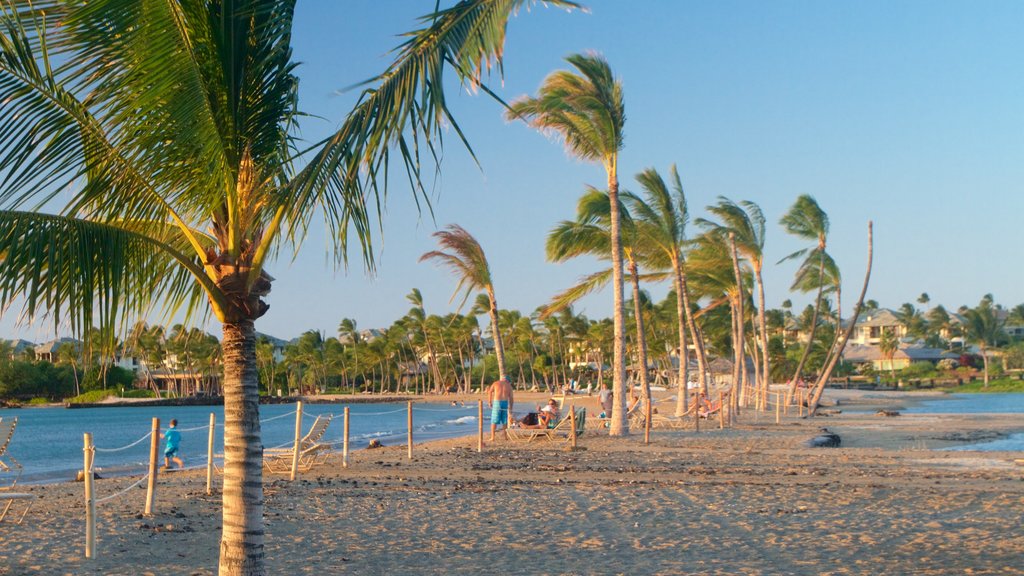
{"x": 806, "y": 220}
{"x": 172, "y": 128}
{"x": 586, "y": 109}
{"x": 466, "y": 259}
{"x": 661, "y": 220}
{"x": 747, "y": 224}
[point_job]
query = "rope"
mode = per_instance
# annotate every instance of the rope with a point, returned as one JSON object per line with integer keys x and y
{"x": 377, "y": 413}
{"x": 277, "y": 417}
{"x": 204, "y": 427}
{"x": 116, "y": 494}
{"x": 123, "y": 447}
{"x": 459, "y": 409}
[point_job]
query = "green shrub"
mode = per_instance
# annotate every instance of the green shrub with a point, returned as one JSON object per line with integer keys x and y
{"x": 919, "y": 370}
{"x": 38, "y": 401}
{"x": 138, "y": 393}
{"x": 999, "y": 385}
{"x": 92, "y": 396}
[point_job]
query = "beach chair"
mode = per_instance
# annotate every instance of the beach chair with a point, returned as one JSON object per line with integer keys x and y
{"x": 10, "y": 498}
{"x": 311, "y": 451}
{"x": 8, "y": 465}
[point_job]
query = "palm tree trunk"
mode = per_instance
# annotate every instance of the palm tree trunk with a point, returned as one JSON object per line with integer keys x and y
{"x": 241, "y": 545}
{"x": 641, "y": 337}
{"x": 682, "y": 399}
{"x": 740, "y": 321}
{"x": 619, "y": 425}
{"x": 984, "y": 361}
{"x": 766, "y": 374}
{"x": 830, "y": 364}
{"x": 814, "y": 325}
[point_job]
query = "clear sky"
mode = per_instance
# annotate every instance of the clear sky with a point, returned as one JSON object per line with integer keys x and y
{"x": 907, "y": 113}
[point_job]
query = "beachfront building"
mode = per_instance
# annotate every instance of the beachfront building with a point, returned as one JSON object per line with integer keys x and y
{"x": 903, "y": 357}
{"x": 873, "y": 324}
{"x": 48, "y": 350}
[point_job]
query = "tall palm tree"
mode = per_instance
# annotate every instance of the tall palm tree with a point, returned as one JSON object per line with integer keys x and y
{"x": 661, "y": 219}
{"x": 467, "y": 261}
{"x": 888, "y": 344}
{"x": 747, "y": 224}
{"x": 984, "y": 328}
{"x": 806, "y": 220}
{"x": 172, "y": 126}
{"x": 586, "y": 109}
{"x": 590, "y": 234}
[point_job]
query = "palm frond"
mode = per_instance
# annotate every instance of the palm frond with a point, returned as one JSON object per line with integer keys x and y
{"x": 88, "y": 274}
{"x": 405, "y": 107}
{"x": 587, "y": 285}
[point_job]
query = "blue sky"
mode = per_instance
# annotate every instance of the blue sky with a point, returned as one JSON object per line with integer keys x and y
{"x": 907, "y": 113}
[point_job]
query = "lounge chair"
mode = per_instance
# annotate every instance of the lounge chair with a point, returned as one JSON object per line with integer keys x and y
{"x": 561, "y": 430}
{"x": 311, "y": 451}
{"x": 8, "y": 465}
{"x": 10, "y": 497}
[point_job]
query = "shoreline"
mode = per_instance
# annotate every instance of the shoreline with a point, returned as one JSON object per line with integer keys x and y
{"x": 751, "y": 499}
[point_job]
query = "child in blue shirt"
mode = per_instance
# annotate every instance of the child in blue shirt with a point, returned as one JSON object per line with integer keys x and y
{"x": 171, "y": 451}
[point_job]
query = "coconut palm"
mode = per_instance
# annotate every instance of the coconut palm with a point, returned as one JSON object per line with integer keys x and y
{"x": 888, "y": 344}
{"x": 585, "y": 108}
{"x": 467, "y": 261}
{"x": 590, "y": 235}
{"x": 984, "y": 327}
{"x": 806, "y": 220}
{"x": 172, "y": 129}
{"x": 661, "y": 219}
{"x": 746, "y": 223}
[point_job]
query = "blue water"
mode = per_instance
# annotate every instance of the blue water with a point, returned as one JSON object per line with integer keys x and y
{"x": 978, "y": 404}
{"x": 48, "y": 441}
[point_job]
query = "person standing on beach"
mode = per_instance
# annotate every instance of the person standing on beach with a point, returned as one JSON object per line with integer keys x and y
{"x": 173, "y": 442}
{"x": 499, "y": 397}
{"x": 605, "y": 398}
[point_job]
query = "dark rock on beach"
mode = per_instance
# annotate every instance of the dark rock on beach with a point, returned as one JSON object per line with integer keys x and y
{"x": 825, "y": 439}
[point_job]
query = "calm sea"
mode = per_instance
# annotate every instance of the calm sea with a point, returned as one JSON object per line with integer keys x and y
{"x": 978, "y": 404}
{"x": 48, "y": 441}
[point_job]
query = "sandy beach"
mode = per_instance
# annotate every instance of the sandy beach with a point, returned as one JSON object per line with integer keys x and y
{"x": 744, "y": 500}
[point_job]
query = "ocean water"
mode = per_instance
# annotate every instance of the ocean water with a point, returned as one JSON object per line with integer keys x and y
{"x": 1008, "y": 403}
{"x": 48, "y": 441}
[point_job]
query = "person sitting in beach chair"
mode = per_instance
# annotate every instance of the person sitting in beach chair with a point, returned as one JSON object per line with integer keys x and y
{"x": 544, "y": 417}
{"x": 705, "y": 408}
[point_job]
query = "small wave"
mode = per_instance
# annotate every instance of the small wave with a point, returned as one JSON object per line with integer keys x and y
{"x": 462, "y": 420}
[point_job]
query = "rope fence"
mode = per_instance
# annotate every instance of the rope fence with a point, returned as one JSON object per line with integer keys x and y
{"x": 297, "y": 448}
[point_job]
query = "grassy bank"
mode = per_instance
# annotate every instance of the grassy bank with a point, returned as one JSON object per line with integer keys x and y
{"x": 998, "y": 385}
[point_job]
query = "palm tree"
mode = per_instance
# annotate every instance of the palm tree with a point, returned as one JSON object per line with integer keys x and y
{"x": 661, "y": 219}
{"x": 888, "y": 345}
{"x": 806, "y": 220}
{"x": 746, "y": 223}
{"x": 172, "y": 126}
{"x": 467, "y": 261}
{"x": 984, "y": 328}
{"x": 586, "y": 109}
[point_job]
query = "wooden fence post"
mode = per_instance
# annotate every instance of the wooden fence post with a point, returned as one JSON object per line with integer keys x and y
{"x": 572, "y": 421}
{"x": 479, "y": 425}
{"x": 154, "y": 452}
{"x": 721, "y": 413}
{"x": 344, "y": 442}
{"x": 90, "y": 501}
{"x": 647, "y": 423}
{"x": 778, "y": 410}
{"x": 209, "y": 454}
{"x": 410, "y": 430}
{"x": 298, "y": 439}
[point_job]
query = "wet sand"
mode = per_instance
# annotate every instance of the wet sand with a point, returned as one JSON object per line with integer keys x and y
{"x": 745, "y": 500}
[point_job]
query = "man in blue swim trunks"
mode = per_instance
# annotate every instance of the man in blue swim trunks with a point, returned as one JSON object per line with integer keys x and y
{"x": 173, "y": 441}
{"x": 499, "y": 396}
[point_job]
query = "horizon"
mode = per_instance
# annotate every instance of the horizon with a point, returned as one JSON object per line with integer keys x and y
{"x": 908, "y": 115}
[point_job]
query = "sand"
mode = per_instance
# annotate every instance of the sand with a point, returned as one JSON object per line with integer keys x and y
{"x": 744, "y": 500}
